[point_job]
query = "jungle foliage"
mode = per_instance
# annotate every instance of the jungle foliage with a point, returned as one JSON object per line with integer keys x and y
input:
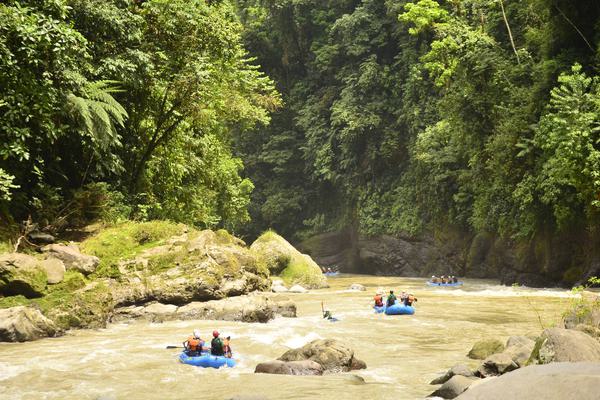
{"x": 403, "y": 116}
{"x": 127, "y": 105}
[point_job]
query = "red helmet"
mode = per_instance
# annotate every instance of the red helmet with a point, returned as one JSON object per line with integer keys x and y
{"x": 215, "y": 333}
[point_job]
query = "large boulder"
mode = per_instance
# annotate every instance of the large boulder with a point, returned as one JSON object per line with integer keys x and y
{"x": 21, "y": 274}
{"x": 72, "y": 257}
{"x": 453, "y": 387}
{"x": 581, "y": 316}
{"x": 297, "y": 289}
{"x": 303, "y": 367}
{"x": 485, "y": 348}
{"x": 282, "y": 258}
{"x": 357, "y": 287}
{"x": 458, "y": 369}
{"x": 557, "y": 345}
{"x": 556, "y": 381}
{"x": 21, "y": 324}
{"x": 331, "y": 354}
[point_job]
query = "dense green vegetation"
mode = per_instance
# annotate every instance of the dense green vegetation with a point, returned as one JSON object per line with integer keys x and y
{"x": 125, "y": 109}
{"x": 404, "y": 116}
{"x": 398, "y": 117}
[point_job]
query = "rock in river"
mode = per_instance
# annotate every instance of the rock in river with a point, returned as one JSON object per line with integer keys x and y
{"x": 303, "y": 367}
{"x": 331, "y": 354}
{"x": 21, "y": 324}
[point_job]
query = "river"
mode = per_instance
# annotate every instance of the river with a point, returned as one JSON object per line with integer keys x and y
{"x": 403, "y": 353}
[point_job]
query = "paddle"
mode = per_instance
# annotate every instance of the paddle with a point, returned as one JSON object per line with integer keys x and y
{"x": 174, "y": 347}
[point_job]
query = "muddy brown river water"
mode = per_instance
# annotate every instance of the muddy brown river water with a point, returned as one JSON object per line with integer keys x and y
{"x": 403, "y": 353}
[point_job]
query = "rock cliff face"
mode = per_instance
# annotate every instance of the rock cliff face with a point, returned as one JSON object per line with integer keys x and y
{"x": 545, "y": 260}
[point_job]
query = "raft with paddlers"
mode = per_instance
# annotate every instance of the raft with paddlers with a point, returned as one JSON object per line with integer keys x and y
{"x": 205, "y": 360}
{"x": 399, "y": 309}
{"x": 459, "y": 283}
{"x": 331, "y": 273}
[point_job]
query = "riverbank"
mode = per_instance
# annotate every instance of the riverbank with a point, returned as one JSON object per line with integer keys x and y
{"x": 146, "y": 270}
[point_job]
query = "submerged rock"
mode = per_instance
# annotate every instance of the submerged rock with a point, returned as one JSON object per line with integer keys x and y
{"x": 556, "y": 381}
{"x": 358, "y": 287}
{"x": 297, "y": 289}
{"x": 72, "y": 257}
{"x": 303, "y": 367}
{"x": 485, "y": 348}
{"x": 21, "y": 274}
{"x": 21, "y": 324}
{"x": 330, "y": 353}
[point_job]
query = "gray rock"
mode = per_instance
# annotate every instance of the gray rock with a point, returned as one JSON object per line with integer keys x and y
{"x": 556, "y": 381}
{"x": 358, "y": 287}
{"x": 41, "y": 238}
{"x": 73, "y": 258}
{"x": 21, "y": 324}
{"x": 297, "y": 289}
{"x": 21, "y": 274}
{"x": 55, "y": 270}
{"x": 303, "y": 367}
{"x": 485, "y": 348}
{"x": 574, "y": 318}
{"x": 453, "y": 387}
{"x": 520, "y": 354}
{"x": 518, "y": 341}
{"x": 496, "y": 364}
{"x": 458, "y": 369}
{"x": 331, "y": 354}
{"x": 241, "y": 308}
{"x": 557, "y": 344}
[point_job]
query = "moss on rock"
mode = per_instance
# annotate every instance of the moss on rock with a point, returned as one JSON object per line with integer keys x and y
{"x": 280, "y": 257}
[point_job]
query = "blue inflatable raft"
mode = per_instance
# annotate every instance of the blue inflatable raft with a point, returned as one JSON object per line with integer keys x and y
{"x": 207, "y": 361}
{"x": 379, "y": 310}
{"x": 331, "y": 273}
{"x": 459, "y": 283}
{"x": 399, "y": 309}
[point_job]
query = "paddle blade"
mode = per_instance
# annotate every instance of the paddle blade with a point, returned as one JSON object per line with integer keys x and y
{"x": 174, "y": 347}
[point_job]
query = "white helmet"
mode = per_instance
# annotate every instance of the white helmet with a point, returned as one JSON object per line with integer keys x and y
{"x": 197, "y": 333}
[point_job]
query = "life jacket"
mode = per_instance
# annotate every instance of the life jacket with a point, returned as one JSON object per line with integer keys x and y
{"x": 194, "y": 344}
{"x": 216, "y": 347}
{"x": 378, "y": 300}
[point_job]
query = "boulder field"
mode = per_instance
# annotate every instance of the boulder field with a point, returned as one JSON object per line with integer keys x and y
{"x": 521, "y": 368}
{"x": 155, "y": 271}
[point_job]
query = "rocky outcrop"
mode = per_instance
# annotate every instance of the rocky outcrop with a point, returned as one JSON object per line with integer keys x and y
{"x": 278, "y": 286}
{"x": 21, "y": 274}
{"x": 331, "y": 354}
{"x": 453, "y": 387}
{"x": 303, "y": 367}
{"x": 556, "y": 381}
{"x": 565, "y": 345}
{"x": 72, "y": 257}
{"x": 485, "y": 348}
{"x": 21, "y": 324}
{"x": 297, "y": 289}
{"x": 282, "y": 258}
{"x": 254, "y": 308}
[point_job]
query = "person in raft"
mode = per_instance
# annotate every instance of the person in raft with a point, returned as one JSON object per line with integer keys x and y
{"x": 378, "y": 299}
{"x": 435, "y": 279}
{"x": 409, "y": 299}
{"x": 227, "y": 347}
{"x": 194, "y": 344}
{"x": 216, "y": 345}
{"x": 391, "y": 299}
